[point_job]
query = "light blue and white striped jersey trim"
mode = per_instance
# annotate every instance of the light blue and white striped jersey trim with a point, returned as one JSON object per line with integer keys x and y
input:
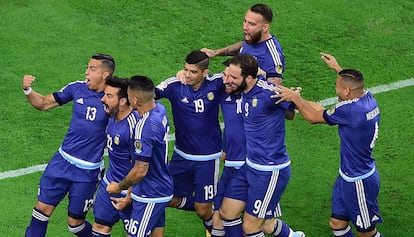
{"x": 79, "y": 162}
{"x": 234, "y": 164}
{"x": 197, "y": 157}
{"x": 151, "y": 200}
{"x": 267, "y": 167}
{"x": 354, "y": 179}
{"x": 105, "y": 179}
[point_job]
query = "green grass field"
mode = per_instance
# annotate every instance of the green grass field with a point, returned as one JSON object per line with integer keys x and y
{"x": 54, "y": 39}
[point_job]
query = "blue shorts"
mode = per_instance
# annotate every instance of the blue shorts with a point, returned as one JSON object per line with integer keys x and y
{"x": 260, "y": 190}
{"x": 357, "y": 202}
{"x": 226, "y": 176}
{"x": 194, "y": 177}
{"x": 103, "y": 210}
{"x": 145, "y": 217}
{"x": 61, "y": 178}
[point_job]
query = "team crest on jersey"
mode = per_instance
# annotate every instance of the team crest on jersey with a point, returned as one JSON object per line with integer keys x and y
{"x": 331, "y": 110}
{"x": 210, "y": 96}
{"x": 279, "y": 69}
{"x": 254, "y": 102}
{"x": 138, "y": 146}
{"x": 116, "y": 139}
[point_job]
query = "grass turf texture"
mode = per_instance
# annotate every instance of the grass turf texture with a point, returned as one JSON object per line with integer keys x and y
{"x": 54, "y": 40}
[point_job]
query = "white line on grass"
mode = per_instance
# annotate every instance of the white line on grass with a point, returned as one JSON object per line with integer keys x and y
{"x": 325, "y": 102}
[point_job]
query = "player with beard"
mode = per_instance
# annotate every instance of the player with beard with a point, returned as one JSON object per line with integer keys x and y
{"x": 258, "y": 186}
{"x": 119, "y": 134}
{"x": 258, "y": 42}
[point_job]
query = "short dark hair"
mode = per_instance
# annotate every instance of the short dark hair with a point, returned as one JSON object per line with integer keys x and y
{"x": 353, "y": 77}
{"x": 141, "y": 83}
{"x": 121, "y": 83}
{"x": 247, "y": 63}
{"x": 200, "y": 59}
{"x": 107, "y": 61}
{"x": 263, "y": 10}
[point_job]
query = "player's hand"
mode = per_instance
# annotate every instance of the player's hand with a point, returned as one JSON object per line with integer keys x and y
{"x": 121, "y": 203}
{"x": 286, "y": 94}
{"x": 113, "y": 188}
{"x": 330, "y": 60}
{"x": 210, "y": 53}
{"x": 181, "y": 76}
{"x": 28, "y": 81}
{"x": 223, "y": 156}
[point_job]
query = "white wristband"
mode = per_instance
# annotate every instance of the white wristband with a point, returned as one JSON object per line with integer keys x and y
{"x": 27, "y": 91}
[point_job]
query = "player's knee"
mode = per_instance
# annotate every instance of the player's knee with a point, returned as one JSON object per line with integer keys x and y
{"x": 175, "y": 202}
{"x": 336, "y": 224}
{"x": 204, "y": 210}
{"x": 101, "y": 228}
{"x": 269, "y": 225}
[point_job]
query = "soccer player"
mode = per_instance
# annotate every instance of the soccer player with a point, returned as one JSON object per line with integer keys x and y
{"x": 152, "y": 185}
{"x": 355, "y": 192}
{"x": 258, "y": 42}
{"x": 234, "y": 146}
{"x": 76, "y": 167}
{"x": 258, "y": 186}
{"x": 119, "y": 134}
{"x": 194, "y": 164}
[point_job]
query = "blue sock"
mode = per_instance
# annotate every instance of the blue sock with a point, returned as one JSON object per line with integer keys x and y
{"x": 257, "y": 234}
{"x": 345, "y": 232}
{"x": 82, "y": 230}
{"x": 100, "y": 234}
{"x": 186, "y": 204}
{"x": 233, "y": 227}
{"x": 38, "y": 224}
{"x": 281, "y": 229}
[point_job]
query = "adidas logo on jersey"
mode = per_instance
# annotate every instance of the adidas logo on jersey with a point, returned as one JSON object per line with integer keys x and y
{"x": 185, "y": 100}
{"x": 79, "y": 101}
{"x": 228, "y": 98}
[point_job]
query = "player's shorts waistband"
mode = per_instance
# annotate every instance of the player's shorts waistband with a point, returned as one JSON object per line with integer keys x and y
{"x": 83, "y": 164}
{"x": 197, "y": 157}
{"x": 148, "y": 200}
{"x": 234, "y": 164}
{"x": 106, "y": 181}
{"x": 353, "y": 179}
{"x": 267, "y": 167}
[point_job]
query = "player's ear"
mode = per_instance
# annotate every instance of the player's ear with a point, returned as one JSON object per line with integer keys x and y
{"x": 205, "y": 72}
{"x": 266, "y": 27}
{"x": 106, "y": 75}
{"x": 123, "y": 101}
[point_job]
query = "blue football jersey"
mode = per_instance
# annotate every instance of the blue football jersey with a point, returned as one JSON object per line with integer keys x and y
{"x": 358, "y": 123}
{"x": 234, "y": 139}
{"x": 151, "y": 145}
{"x": 85, "y": 138}
{"x": 264, "y": 123}
{"x": 119, "y": 139}
{"x": 269, "y": 55}
{"x": 195, "y": 113}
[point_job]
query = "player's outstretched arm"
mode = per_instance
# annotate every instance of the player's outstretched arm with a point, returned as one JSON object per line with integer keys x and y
{"x": 330, "y": 60}
{"x": 37, "y": 100}
{"x": 230, "y": 50}
{"x": 311, "y": 111}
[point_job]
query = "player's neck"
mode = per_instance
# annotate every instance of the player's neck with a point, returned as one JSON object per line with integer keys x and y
{"x": 265, "y": 37}
{"x": 150, "y": 105}
{"x": 123, "y": 113}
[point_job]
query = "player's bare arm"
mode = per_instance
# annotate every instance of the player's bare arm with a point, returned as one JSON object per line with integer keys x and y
{"x": 37, "y": 100}
{"x": 230, "y": 50}
{"x": 136, "y": 174}
{"x": 331, "y": 62}
{"x": 311, "y": 111}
